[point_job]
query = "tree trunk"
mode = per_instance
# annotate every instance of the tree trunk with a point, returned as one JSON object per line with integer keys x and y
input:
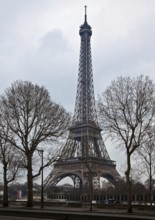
{"x": 150, "y": 193}
{"x": 29, "y": 182}
{"x": 150, "y": 182}
{"x": 129, "y": 184}
{"x": 5, "y": 189}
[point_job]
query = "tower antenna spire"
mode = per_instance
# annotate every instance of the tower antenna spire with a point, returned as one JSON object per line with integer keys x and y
{"x": 85, "y": 13}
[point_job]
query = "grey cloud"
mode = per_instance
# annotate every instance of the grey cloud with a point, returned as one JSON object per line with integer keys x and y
{"x": 124, "y": 55}
{"x": 52, "y": 64}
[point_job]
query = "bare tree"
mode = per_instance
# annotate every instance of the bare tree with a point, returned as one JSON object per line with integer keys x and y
{"x": 89, "y": 165}
{"x": 11, "y": 160}
{"x": 145, "y": 160}
{"x": 34, "y": 119}
{"x": 126, "y": 110}
{"x": 90, "y": 168}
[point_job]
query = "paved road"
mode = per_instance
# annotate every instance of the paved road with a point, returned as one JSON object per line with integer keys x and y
{"x": 71, "y": 218}
{"x": 70, "y": 214}
{"x": 20, "y": 218}
{"x": 78, "y": 216}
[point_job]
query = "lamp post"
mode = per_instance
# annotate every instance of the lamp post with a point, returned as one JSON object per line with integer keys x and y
{"x": 90, "y": 177}
{"x": 41, "y": 153}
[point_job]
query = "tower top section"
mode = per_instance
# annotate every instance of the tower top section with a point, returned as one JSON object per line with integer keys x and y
{"x": 85, "y": 29}
{"x": 85, "y": 109}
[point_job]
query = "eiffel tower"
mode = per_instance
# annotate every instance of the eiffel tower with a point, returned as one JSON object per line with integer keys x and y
{"x": 84, "y": 145}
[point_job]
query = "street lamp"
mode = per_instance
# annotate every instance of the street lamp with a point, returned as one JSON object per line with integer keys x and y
{"x": 41, "y": 154}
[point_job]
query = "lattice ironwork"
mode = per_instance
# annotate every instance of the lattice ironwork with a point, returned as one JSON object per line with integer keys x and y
{"x": 84, "y": 143}
{"x": 85, "y": 135}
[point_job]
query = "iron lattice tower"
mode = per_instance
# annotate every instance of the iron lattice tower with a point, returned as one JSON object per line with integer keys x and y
{"x": 85, "y": 135}
{"x": 84, "y": 143}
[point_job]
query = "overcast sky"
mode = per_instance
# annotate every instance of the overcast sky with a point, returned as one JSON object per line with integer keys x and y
{"x": 40, "y": 42}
